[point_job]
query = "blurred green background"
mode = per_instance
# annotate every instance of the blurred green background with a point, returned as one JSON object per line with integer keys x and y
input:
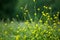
{"x": 10, "y": 9}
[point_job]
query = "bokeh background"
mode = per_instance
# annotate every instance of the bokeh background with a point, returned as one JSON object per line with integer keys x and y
{"x": 10, "y": 9}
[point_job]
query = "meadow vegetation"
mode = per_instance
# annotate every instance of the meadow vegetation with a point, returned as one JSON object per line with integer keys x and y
{"x": 40, "y": 23}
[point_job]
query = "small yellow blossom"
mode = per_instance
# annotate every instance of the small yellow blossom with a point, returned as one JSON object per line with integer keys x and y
{"x": 55, "y": 17}
{"x": 30, "y": 19}
{"x": 47, "y": 13}
{"x": 12, "y": 22}
{"x": 17, "y": 37}
{"x": 35, "y": 14}
{"x": 25, "y": 36}
{"x": 59, "y": 30}
{"x": 5, "y": 32}
{"x": 36, "y": 35}
{"x": 26, "y": 11}
{"x": 38, "y": 9}
{"x": 17, "y": 15}
{"x": 40, "y": 21}
{"x": 34, "y": 0}
{"x": 5, "y": 24}
{"x": 18, "y": 31}
{"x": 44, "y": 6}
{"x": 50, "y": 8}
{"x": 43, "y": 14}
{"x": 58, "y": 22}
{"x": 36, "y": 25}
{"x": 42, "y": 11}
{"x": 54, "y": 24}
{"x": 21, "y": 7}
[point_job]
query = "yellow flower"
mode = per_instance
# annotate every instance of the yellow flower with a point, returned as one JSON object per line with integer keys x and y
{"x": 36, "y": 35}
{"x": 50, "y": 8}
{"x": 33, "y": 32}
{"x": 5, "y": 24}
{"x": 32, "y": 38}
{"x": 49, "y": 27}
{"x": 25, "y": 36}
{"x": 38, "y": 9}
{"x": 44, "y": 30}
{"x": 55, "y": 17}
{"x": 17, "y": 15}
{"x": 43, "y": 14}
{"x": 6, "y": 32}
{"x": 26, "y": 11}
{"x": 46, "y": 21}
{"x": 55, "y": 26}
{"x": 21, "y": 7}
{"x": 47, "y": 13}
{"x": 34, "y": 0}
{"x": 58, "y": 22}
{"x": 36, "y": 25}
{"x": 35, "y": 14}
{"x": 54, "y": 23}
{"x": 51, "y": 18}
{"x": 48, "y": 16}
{"x": 41, "y": 33}
{"x": 40, "y": 21}
{"x": 59, "y": 30}
{"x": 45, "y": 7}
{"x": 12, "y": 22}
{"x": 17, "y": 37}
{"x": 58, "y": 12}
{"x": 30, "y": 19}
{"x": 11, "y": 28}
{"x": 18, "y": 31}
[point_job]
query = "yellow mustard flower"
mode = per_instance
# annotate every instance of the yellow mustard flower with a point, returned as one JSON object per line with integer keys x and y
{"x": 25, "y": 13}
{"x": 45, "y": 7}
{"x": 58, "y": 22}
{"x": 6, "y": 32}
{"x": 43, "y": 14}
{"x": 31, "y": 19}
{"x": 59, "y": 30}
{"x": 55, "y": 17}
{"x": 34, "y": 0}
{"x": 26, "y": 10}
{"x": 6, "y": 24}
{"x": 54, "y": 24}
{"x": 18, "y": 31}
{"x": 17, "y": 37}
{"x": 25, "y": 36}
{"x": 36, "y": 35}
{"x": 21, "y": 7}
{"x": 36, "y": 25}
{"x": 40, "y": 21}
{"x": 35, "y": 14}
{"x": 47, "y": 13}
{"x": 12, "y": 22}
{"x": 32, "y": 38}
{"x": 38, "y": 9}
{"x": 42, "y": 11}
{"x": 17, "y": 15}
{"x": 50, "y": 8}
